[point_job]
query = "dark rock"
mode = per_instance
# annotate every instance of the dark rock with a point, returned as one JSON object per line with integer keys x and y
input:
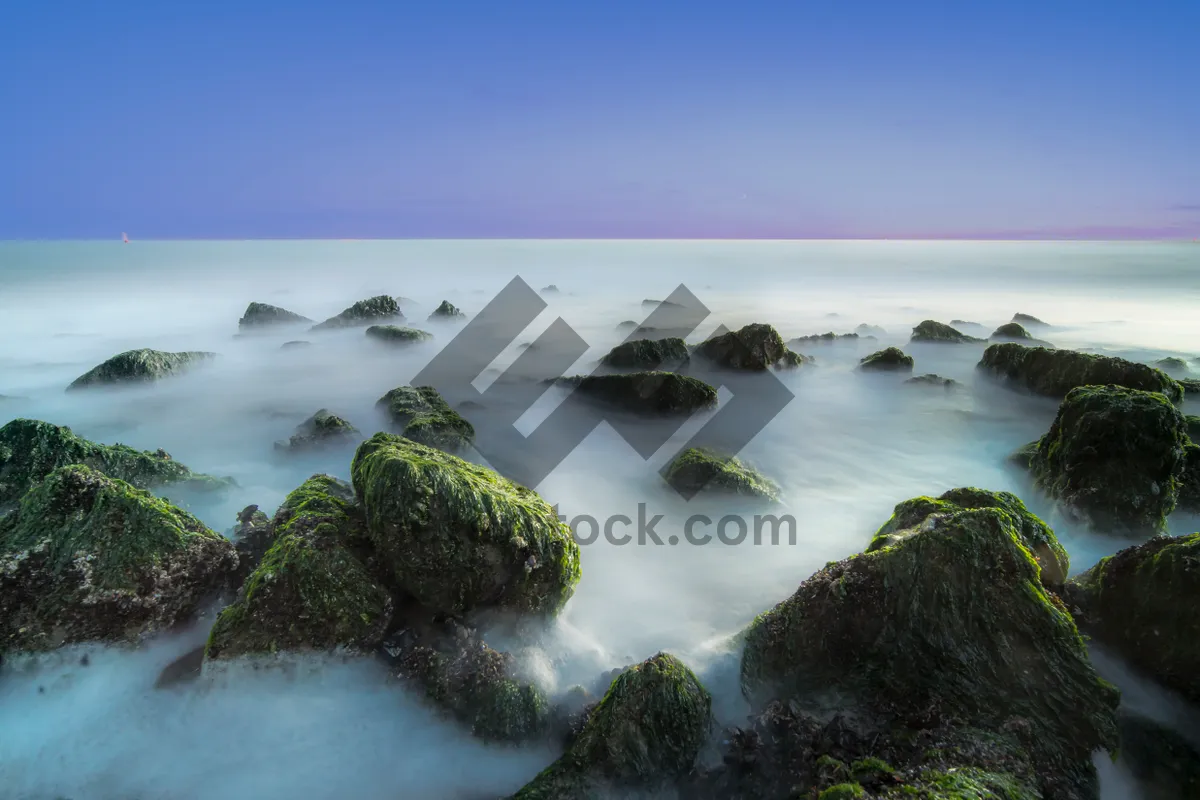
{"x": 551, "y": 289}
{"x": 930, "y": 331}
{"x": 648, "y": 354}
{"x": 1055, "y": 372}
{"x": 647, "y": 392}
{"x": 1165, "y": 764}
{"x": 1172, "y": 366}
{"x": 1013, "y": 332}
{"x": 251, "y": 537}
{"x": 396, "y": 334}
{"x": 294, "y": 345}
{"x": 446, "y": 311}
{"x": 363, "y": 313}
{"x": 184, "y": 669}
{"x": 934, "y": 380}
{"x": 870, "y": 330}
{"x": 419, "y": 413}
{"x": 139, "y": 366}
{"x": 1028, "y": 321}
{"x": 322, "y": 429}
{"x": 888, "y": 359}
{"x": 696, "y": 470}
{"x": 755, "y": 347}
{"x": 261, "y": 315}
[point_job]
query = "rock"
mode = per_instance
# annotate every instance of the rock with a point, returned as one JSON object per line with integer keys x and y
{"x": 396, "y": 334}
{"x": 1172, "y": 365}
{"x": 322, "y": 429}
{"x": 363, "y": 313}
{"x": 965, "y": 323}
{"x": 888, "y": 359}
{"x": 934, "y": 380}
{"x": 664, "y": 303}
{"x": 755, "y": 347}
{"x": 551, "y": 289}
{"x": 647, "y": 354}
{"x": 930, "y": 331}
{"x": 1189, "y": 484}
{"x": 912, "y": 516}
{"x": 1141, "y": 603}
{"x": 458, "y": 536}
{"x": 949, "y": 631}
{"x": 1165, "y": 764}
{"x": 1053, "y": 373}
{"x": 824, "y": 338}
{"x": 645, "y": 734}
{"x": 696, "y": 470}
{"x": 87, "y": 557}
{"x": 1013, "y": 332}
{"x": 446, "y": 311}
{"x": 647, "y": 392}
{"x": 294, "y": 345}
{"x": 184, "y": 669}
{"x": 419, "y": 413}
{"x": 251, "y": 537}
{"x": 261, "y": 315}
{"x": 1028, "y": 321}
{"x": 870, "y": 330}
{"x": 139, "y": 366}
{"x": 626, "y": 325}
{"x": 1190, "y": 386}
{"x": 1114, "y": 457}
{"x": 310, "y": 592}
{"x": 1192, "y": 421}
{"x": 30, "y": 450}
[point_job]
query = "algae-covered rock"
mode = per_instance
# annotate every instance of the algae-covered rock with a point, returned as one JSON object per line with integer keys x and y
{"x": 825, "y": 338}
{"x": 1053, "y": 373}
{"x": 1192, "y": 421}
{"x": 940, "y": 333}
{"x": 310, "y": 591}
{"x": 1028, "y": 321}
{"x": 756, "y": 347}
{"x": 446, "y": 310}
{"x": 696, "y": 470}
{"x": 87, "y": 557}
{"x": 322, "y": 429}
{"x": 30, "y": 450}
{"x": 458, "y": 536}
{"x": 251, "y": 537}
{"x": 139, "y": 366}
{"x": 947, "y": 627}
{"x": 890, "y": 359}
{"x": 1142, "y": 603}
{"x": 931, "y": 379}
{"x": 644, "y": 734}
{"x": 1114, "y": 457}
{"x": 1172, "y": 365}
{"x": 397, "y": 334}
{"x": 647, "y": 392}
{"x": 912, "y": 516}
{"x": 1015, "y": 332}
{"x": 419, "y": 413}
{"x": 1189, "y": 483}
{"x": 1190, "y": 386}
{"x": 647, "y": 354}
{"x": 260, "y": 315}
{"x": 363, "y": 313}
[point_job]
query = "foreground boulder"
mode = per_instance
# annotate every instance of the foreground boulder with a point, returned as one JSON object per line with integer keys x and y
{"x": 309, "y": 592}
{"x": 419, "y": 413}
{"x": 322, "y": 429}
{"x": 946, "y": 631}
{"x": 1053, "y": 373}
{"x": 458, "y": 536}
{"x": 446, "y": 310}
{"x": 397, "y": 334}
{"x": 1142, "y": 603}
{"x": 87, "y": 557}
{"x": 139, "y": 366}
{"x": 1114, "y": 457}
{"x": 647, "y": 392}
{"x": 647, "y": 354}
{"x": 695, "y": 470}
{"x": 913, "y": 516}
{"x": 644, "y": 735}
{"x": 259, "y": 315}
{"x": 934, "y": 332}
{"x": 890, "y": 359}
{"x": 754, "y": 347}
{"x": 365, "y": 312}
{"x": 30, "y": 450}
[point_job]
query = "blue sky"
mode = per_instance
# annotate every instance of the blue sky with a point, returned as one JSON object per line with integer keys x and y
{"x": 586, "y": 119}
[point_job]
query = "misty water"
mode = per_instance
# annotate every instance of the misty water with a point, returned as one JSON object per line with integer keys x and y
{"x": 845, "y": 450}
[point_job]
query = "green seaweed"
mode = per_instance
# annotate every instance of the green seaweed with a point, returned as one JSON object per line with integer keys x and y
{"x": 697, "y": 469}
{"x": 843, "y": 791}
{"x": 1054, "y": 373}
{"x": 139, "y": 366}
{"x": 419, "y": 413}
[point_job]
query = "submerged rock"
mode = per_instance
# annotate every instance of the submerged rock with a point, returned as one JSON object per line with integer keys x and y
{"x": 419, "y": 413}
{"x": 757, "y": 347}
{"x": 310, "y": 591}
{"x": 30, "y": 450}
{"x": 1142, "y": 603}
{"x": 139, "y": 366}
{"x": 626, "y": 325}
{"x": 695, "y": 470}
{"x": 261, "y": 315}
{"x": 446, "y": 311}
{"x": 888, "y": 359}
{"x": 1028, "y": 321}
{"x": 363, "y": 313}
{"x": 1053, "y": 373}
{"x": 322, "y": 429}
{"x": 647, "y": 392}
{"x": 645, "y": 734}
{"x": 87, "y": 557}
{"x": 458, "y": 536}
{"x": 1172, "y": 365}
{"x": 647, "y": 354}
{"x": 940, "y": 333}
{"x": 551, "y": 289}
{"x": 1114, "y": 457}
{"x": 397, "y": 334}
{"x": 931, "y": 379}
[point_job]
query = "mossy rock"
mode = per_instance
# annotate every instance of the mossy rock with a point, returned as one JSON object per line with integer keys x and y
{"x": 458, "y": 536}
{"x": 912, "y": 516}
{"x": 139, "y": 366}
{"x": 259, "y": 315}
{"x": 647, "y": 354}
{"x": 951, "y": 623}
{"x": 363, "y": 313}
{"x": 322, "y": 429}
{"x": 1015, "y": 332}
{"x": 934, "y": 380}
{"x": 31, "y": 449}
{"x": 1028, "y": 320}
{"x": 934, "y": 332}
{"x": 870, "y": 330}
{"x": 1172, "y": 365}
{"x": 648, "y": 392}
{"x": 755, "y": 347}
{"x": 1189, "y": 484}
{"x": 251, "y": 537}
{"x": 825, "y": 338}
{"x": 419, "y": 413}
{"x": 696, "y": 469}
{"x": 87, "y": 557}
{"x": 1192, "y": 421}
{"x": 1114, "y": 457}
{"x": 1053, "y": 373}
{"x": 843, "y": 791}
{"x": 446, "y": 310}
{"x": 1142, "y": 603}
{"x": 310, "y": 591}
{"x": 1190, "y": 386}
{"x": 397, "y": 334}
{"x": 890, "y": 359}
{"x": 644, "y": 734}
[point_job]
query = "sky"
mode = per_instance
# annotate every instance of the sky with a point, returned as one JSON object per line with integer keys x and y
{"x": 524, "y": 118}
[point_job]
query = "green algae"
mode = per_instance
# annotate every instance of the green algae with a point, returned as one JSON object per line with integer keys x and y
{"x": 397, "y": 334}
{"x": 139, "y": 366}
{"x": 419, "y": 413}
{"x": 1054, "y": 373}
{"x": 647, "y": 354}
{"x": 262, "y": 315}
{"x": 322, "y": 429}
{"x": 649, "y": 392}
{"x": 843, "y": 791}
{"x": 697, "y": 469}
{"x": 888, "y": 359}
{"x": 363, "y": 313}
{"x": 755, "y": 347}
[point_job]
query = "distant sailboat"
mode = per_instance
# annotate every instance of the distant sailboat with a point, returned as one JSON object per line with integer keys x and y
{"x": 124, "y": 239}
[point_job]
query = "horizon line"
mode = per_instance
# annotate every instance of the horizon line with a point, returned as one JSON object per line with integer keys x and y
{"x": 348, "y": 239}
